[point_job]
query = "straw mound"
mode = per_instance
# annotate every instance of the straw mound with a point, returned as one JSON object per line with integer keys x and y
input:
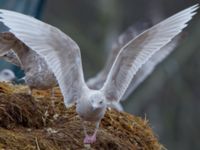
{"x": 28, "y": 122}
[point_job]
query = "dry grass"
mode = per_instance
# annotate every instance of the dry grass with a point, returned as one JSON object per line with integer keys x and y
{"x": 31, "y": 123}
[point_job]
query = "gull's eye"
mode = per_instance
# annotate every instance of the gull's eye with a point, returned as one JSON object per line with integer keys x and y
{"x": 101, "y": 102}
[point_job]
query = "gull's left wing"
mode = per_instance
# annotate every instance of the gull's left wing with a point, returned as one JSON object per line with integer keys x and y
{"x": 146, "y": 69}
{"x": 139, "y": 50}
{"x": 150, "y": 65}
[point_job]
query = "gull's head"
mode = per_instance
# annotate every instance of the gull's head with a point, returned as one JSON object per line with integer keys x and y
{"x": 7, "y": 75}
{"x": 97, "y": 101}
{"x": 92, "y": 106}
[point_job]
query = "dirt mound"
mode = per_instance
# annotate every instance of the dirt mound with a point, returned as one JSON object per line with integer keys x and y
{"x": 41, "y": 122}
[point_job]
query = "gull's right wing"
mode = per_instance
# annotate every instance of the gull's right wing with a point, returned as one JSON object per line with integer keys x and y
{"x": 59, "y": 50}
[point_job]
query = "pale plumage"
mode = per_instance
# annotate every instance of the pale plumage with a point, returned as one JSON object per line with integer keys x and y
{"x": 63, "y": 56}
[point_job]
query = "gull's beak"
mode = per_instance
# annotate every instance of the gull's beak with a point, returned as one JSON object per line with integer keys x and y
{"x": 94, "y": 107}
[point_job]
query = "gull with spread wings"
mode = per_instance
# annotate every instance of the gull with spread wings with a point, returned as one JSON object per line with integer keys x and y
{"x": 64, "y": 58}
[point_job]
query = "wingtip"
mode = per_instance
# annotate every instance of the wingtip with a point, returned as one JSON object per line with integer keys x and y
{"x": 194, "y": 7}
{"x": 197, "y": 5}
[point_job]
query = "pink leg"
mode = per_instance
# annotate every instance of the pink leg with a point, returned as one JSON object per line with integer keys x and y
{"x": 91, "y": 139}
{"x": 52, "y": 98}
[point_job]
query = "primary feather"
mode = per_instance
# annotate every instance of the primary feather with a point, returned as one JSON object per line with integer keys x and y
{"x": 148, "y": 67}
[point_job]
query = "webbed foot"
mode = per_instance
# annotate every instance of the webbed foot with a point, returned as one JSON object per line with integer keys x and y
{"x": 89, "y": 139}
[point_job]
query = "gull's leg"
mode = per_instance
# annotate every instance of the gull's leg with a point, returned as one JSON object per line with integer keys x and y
{"x": 52, "y": 98}
{"x": 52, "y": 92}
{"x": 92, "y": 139}
{"x": 87, "y": 137}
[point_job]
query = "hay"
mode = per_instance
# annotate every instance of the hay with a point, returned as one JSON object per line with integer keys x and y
{"x": 31, "y": 123}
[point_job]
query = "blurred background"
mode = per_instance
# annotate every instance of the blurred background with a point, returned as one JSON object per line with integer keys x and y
{"x": 170, "y": 97}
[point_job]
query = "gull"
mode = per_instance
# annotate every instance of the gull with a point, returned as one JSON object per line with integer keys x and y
{"x": 64, "y": 58}
{"x": 37, "y": 73}
{"x": 7, "y": 75}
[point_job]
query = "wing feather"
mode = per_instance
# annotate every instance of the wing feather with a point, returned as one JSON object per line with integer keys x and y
{"x": 147, "y": 68}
